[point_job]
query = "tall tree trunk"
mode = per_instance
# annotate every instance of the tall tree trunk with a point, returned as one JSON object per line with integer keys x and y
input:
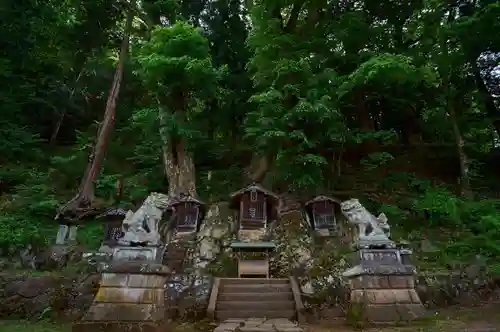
{"x": 177, "y": 160}
{"x": 258, "y": 168}
{"x": 85, "y": 195}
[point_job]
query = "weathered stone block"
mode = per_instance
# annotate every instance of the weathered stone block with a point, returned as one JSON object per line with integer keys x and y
{"x": 414, "y": 296}
{"x": 288, "y": 329}
{"x": 254, "y": 329}
{"x": 145, "y": 281}
{"x": 113, "y": 280}
{"x": 396, "y": 281}
{"x": 383, "y": 289}
{"x": 130, "y": 295}
{"x": 122, "y": 312}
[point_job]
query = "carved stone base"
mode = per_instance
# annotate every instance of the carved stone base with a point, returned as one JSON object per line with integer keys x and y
{"x": 382, "y": 289}
{"x": 131, "y": 298}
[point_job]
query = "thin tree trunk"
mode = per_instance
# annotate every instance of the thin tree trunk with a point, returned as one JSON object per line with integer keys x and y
{"x": 85, "y": 196}
{"x": 450, "y": 105}
{"x": 463, "y": 159}
{"x": 366, "y": 123}
{"x": 55, "y": 132}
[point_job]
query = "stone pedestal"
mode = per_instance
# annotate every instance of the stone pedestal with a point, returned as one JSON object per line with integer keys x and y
{"x": 382, "y": 289}
{"x": 131, "y": 298}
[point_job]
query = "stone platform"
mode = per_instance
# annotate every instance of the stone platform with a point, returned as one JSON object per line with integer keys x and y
{"x": 130, "y": 299}
{"x": 258, "y": 325}
{"x": 382, "y": 289}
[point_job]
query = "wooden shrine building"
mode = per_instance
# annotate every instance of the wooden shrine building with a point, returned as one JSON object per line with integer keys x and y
{"x": 256, "y": 205}
{"x": 187, "y": 213}
{"x": 257, "y": 208}
{"x": 321, "y": 212}
{"x": 112, "y": 219}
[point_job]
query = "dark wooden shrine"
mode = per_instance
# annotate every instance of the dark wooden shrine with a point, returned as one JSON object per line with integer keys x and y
{"x": 187, "y": 212}
{"x": 321, "y": 212}
{"x": 113, "y": 219}
{"x": 257, "y": 206}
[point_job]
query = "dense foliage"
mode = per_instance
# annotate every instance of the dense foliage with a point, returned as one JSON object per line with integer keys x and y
{"x": 390, "y": 101}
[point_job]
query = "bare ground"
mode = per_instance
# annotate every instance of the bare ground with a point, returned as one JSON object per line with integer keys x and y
{"x": 484, "y": 317}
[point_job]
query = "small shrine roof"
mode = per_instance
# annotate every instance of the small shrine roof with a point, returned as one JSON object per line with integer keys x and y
{"x": 253, "y": 186}
{"x": 113, "y": 212}
{"x": 184, "y": 199}
{"x": 322, "y": 198}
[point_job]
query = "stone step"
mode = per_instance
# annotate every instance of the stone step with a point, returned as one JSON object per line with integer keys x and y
{"x": 227, "y": 314}
{"x": 255, "y": 305}
{"x": 277, "y": 288}
{"x": 253, "y": 281}
{"x": 280, "y": 296}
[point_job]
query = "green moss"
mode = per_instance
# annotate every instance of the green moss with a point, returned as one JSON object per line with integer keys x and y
{"x": 356, "y": 315}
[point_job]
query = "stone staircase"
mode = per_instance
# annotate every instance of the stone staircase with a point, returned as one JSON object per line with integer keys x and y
{"x": 255, "y": 298}
{"x": 174, "y": 256}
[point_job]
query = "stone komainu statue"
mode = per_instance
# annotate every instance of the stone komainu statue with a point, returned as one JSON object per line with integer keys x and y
{"x": 369, "y": 226}
{"x": 142, "y": 227}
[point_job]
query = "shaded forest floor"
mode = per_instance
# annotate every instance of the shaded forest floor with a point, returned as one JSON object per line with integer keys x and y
{"x": 485, "y": 317}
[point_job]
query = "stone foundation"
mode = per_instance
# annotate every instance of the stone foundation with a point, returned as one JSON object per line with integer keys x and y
{"x": 382, "y": 289}
{"x": 385, "y": 299}
{"x": 131, "y": 298}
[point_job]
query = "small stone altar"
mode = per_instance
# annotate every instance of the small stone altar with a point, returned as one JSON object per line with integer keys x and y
{"x": 131, "y": 295}
{"x": 382, "y": 285}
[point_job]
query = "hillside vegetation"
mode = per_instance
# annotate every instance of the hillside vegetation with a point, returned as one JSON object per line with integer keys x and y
{"x": 389, "y": 101}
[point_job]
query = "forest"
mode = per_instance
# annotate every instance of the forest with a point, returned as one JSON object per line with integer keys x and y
{"x": 393, "y": 102}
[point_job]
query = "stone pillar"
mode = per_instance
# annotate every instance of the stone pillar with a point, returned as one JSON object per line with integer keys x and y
{"x": 72, "y": 233}
{"x": 131, "y": 298}
{"x": 62, "y": 234}
{"x": 382, "y": 289}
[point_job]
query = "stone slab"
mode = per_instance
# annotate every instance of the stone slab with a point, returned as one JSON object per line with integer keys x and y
{"x": 117, "y": 327}
{"x": 289, "y": 329}
{"x": 257, "y": 325}
{"x": 137, "y": 267}
{"x": 129, "y": 295}
{"x": 234, "y": 320}
{"x": 255, "y": 329}
{"x": 123, "y": 312}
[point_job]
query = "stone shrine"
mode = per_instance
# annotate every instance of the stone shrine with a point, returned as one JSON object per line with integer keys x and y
{"x": 382, "y": 284}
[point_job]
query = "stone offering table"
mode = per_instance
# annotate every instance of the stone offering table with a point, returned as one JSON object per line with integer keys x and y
{"x": 131, "y": 298}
